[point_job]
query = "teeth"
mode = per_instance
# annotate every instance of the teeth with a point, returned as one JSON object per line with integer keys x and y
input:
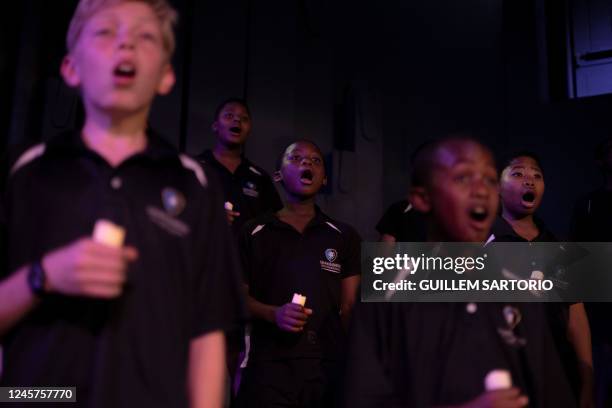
{"x": 126, "y": 68}
{"x": 479, "y": 210}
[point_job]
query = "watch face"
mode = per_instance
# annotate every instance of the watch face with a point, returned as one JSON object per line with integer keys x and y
{"x": 36, "y": 278}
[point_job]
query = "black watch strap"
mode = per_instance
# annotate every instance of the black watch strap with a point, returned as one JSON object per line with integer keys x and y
{"x": 37, "y": 278}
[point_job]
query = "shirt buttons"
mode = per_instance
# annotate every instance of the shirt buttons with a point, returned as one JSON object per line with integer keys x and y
{"x": 116, "y": 183}
{"x": 471, "y": 308}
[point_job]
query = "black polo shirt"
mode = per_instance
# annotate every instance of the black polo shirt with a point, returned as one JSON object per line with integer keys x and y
{"x": 522, "y": 265}
{"x": 558, "y": 313}
{"x": 249, "y": 188}
{"x": 278, "y": 261}
{"x": 438, "y": 354}
{"x": 403, "y": 222}
{"x": 131, "y": 351}
{"x": 503, "y": 232}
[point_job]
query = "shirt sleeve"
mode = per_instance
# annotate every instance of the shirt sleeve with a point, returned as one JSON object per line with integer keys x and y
{"x": 218, "y": 299}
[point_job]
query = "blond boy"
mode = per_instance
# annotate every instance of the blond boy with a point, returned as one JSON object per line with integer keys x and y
{"x": 128, "y": 324}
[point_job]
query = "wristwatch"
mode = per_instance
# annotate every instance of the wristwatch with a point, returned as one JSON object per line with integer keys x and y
{"x": 37, "y": 278}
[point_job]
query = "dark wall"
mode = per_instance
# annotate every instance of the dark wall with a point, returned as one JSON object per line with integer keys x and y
{"x": 564, "y": 132}
{"x": 405, "y": 71}
{"x": 485, "y": 66}
{"x": 444, "y": 73}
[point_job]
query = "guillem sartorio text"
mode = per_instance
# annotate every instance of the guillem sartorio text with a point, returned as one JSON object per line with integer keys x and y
{"x": 465, "y": 285}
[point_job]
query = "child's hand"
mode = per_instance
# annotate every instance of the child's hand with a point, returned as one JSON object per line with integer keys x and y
{"x": 231, "y": 215}
{"x": 291, "y": 317}
{"x": 88, "y": 268}
{"x": 509, "y": 398}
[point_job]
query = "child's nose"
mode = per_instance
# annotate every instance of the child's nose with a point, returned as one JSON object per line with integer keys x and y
{"x": 126, "y": 40}
{"x": 529, "y": 182}
{"x": 481, "y": 188}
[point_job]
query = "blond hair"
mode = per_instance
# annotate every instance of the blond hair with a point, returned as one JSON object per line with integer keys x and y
{"x": 166, "y": 14}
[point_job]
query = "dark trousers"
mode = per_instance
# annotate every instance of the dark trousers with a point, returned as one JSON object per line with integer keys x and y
{"x": 290, "y": 383}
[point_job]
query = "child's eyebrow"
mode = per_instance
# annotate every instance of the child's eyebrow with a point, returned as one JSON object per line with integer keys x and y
{"x": 147, "y": 19}
{"x": 114, "y": 17}
{"x": 517, "y": 167}
{"x": 235, "y": 111}
{"x": 472, "y": 161}
{"x": 106, "y": 17}
{"x": 302, "y": 151}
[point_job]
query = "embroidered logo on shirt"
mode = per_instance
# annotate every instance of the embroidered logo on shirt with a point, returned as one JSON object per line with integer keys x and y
{"x": 173, "y": 201}
{"x": 331, "y": 255}
{"x": 166, "y": 222}
{"x": 250, "y": 189}
{"x": 513, "y": 317}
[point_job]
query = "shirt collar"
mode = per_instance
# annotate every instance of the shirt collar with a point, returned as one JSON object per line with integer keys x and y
{"x": 71, "y": 142}
{"x": 320, "y": 218}
{"x": 208, "y": 157}
{"x": 502, "y": 229}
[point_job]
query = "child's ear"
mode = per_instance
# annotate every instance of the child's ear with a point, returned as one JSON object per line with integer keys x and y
{"x": 277, "y": 176}
{"x": 325, "y": 181}
{"x": 167, "y": 80}
{"x": 70, "y": 72}
{"x": 419, "y": 198}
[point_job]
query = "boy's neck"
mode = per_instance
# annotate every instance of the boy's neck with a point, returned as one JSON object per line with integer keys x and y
{"x": 230, "y": 158}
{"x": 434, "y": 235}
{"x": 523, "y": 225}
{"x": 298, "y": 213}
{"x": 115, "y": 139}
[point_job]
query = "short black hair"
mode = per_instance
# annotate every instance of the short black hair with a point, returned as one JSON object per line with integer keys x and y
{"x": 226, "y": 102}
{"x": 279, "y": 159}
{"x": 521, "y": 153}
{"x": 423, "y": 158}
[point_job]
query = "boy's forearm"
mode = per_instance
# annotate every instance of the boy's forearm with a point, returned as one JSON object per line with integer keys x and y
{"x": 206, "y": 377}
{"x": 16, "y": 299}
{"x": 579, "y": 334}
{"x": 261, "y": 310}
{"x": 348, "y": 298}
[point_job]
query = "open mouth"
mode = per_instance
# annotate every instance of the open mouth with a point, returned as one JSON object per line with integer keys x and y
{"x": 529, "y": 197}
{"x": 306, "y": 177}
{"x": 479, "y": 213}
{"x": 235, "y": 130}
{"x": 125, "y": 70}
